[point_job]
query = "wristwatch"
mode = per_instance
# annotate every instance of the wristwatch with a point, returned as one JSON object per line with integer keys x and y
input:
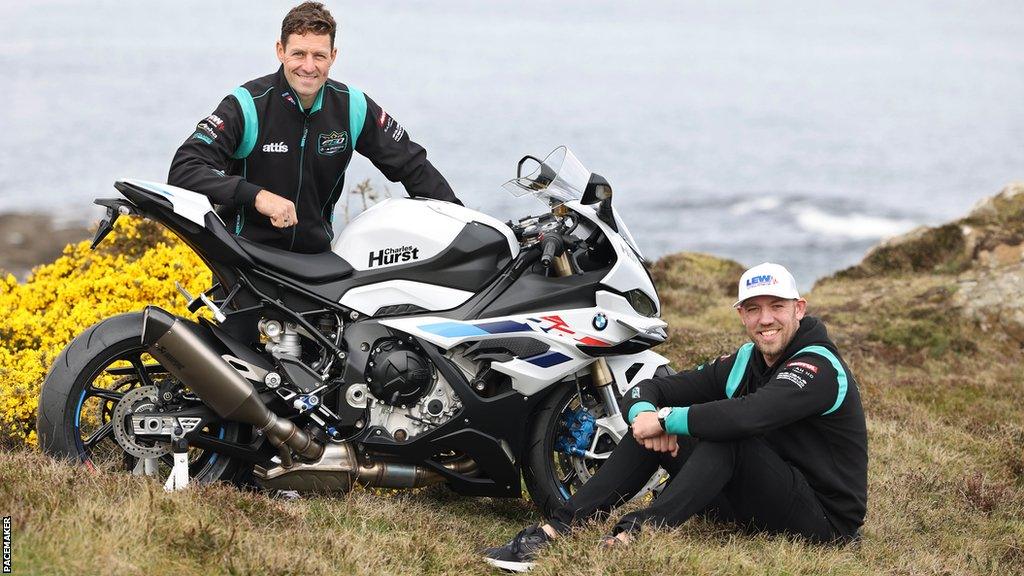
{"x": 662, "y": 415}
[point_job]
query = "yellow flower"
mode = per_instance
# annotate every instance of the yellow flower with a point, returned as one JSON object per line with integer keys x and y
{"x": 136, "y": 266}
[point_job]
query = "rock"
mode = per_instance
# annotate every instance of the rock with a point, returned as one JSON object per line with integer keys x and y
{"x": 945, "y": 248}
{"x": 983, "y": 252}
{"x": 993, "y": 297}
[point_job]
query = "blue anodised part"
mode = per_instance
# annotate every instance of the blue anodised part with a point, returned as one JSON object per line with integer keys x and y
{"x": 580, "y": 426}
{"x": 548, "y": 360}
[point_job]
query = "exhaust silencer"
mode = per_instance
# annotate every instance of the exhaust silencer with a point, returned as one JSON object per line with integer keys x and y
{"x": 182, "y": 347}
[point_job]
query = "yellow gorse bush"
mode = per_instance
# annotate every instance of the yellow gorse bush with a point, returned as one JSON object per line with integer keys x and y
{"x": 135, "y": 266}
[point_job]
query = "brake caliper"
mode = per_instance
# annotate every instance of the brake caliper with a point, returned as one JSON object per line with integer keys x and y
{"x": 580, "y": 427}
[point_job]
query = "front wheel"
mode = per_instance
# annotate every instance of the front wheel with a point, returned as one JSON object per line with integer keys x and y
{"x": 97, "y": 381}
{"x": 569, "y": 441}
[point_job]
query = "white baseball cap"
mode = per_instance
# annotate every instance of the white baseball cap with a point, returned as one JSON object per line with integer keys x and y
{"x": 766, "y": 279}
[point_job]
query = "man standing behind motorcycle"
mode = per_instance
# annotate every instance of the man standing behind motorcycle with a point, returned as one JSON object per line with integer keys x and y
{"x": 273, "y": 154}
{"x": 771, "y": 437}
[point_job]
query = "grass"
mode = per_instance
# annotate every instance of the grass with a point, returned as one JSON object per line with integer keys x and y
{"x": 946, "y": 478}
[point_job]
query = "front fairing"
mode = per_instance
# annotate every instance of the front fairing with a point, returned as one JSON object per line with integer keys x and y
{"x": 628, "y": 272}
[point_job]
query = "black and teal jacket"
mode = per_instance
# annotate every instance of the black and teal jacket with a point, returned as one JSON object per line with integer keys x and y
{"x": 807, "y": 407}
{"x": 260, "y": 137}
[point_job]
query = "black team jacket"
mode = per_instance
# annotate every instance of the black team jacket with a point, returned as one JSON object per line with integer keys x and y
{"x": 260, "y": 137}
{"x": 807, "y": 407}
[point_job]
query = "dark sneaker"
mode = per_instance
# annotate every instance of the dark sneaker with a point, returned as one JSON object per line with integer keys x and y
{"x": 519, "y": 554}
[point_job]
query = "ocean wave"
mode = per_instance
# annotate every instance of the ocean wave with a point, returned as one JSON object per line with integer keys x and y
{"x": 758, "y": 204}
{"x": 851, "y": 225}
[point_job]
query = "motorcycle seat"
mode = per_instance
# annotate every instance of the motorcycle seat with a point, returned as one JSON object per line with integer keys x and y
{"x": 322, "y": 267}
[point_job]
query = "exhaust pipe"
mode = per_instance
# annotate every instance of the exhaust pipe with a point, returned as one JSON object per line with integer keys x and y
{"x": 181, "y": 346}
{"x": 339, "y": 469}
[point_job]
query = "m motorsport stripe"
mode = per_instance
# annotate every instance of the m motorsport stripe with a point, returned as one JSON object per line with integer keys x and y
{"x": 459, "y": 329}
{"x": 548, "y": 359}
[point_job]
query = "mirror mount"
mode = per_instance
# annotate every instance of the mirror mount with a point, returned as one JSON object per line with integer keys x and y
{"x": 599, "y": 191}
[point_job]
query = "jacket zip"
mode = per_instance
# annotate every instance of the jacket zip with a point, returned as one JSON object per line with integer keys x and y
{"x": 302, "y": 156}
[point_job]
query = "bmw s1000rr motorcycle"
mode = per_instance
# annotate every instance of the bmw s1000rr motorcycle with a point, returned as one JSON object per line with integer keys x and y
{"x": 434, "y": 344}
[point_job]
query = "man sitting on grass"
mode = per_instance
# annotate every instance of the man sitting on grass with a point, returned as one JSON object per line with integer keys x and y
{"x": 771, "y": 437}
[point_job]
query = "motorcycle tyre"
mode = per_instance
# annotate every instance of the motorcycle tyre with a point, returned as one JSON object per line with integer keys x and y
{"x": 77, "y": 366}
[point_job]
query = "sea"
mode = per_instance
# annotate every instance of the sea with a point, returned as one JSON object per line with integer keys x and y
{"x": 798, "y": 132}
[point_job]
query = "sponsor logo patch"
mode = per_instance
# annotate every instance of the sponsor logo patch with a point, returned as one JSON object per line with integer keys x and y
{"x": 275, "y": 147}
{"x": 636, "y": 392}
{"x": 206, "y": 128}
{"x": 799, "y": 381}
{"x": 332, "y": 143}
{"x": 392, "y": 127}
{"x": 393, "y": 255}
{"x": 215, "y": 121}
{"x": 203, "y": 137}
{"x": 810, "y": 367}
{"x": 762, "y": 280}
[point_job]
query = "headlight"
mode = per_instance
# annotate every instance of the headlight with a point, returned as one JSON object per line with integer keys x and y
{"x": 642, "y": 303}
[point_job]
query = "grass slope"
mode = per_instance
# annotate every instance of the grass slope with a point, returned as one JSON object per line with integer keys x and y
{"x": 946, "y": 474}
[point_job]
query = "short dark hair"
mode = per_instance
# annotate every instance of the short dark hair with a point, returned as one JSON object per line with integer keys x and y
{"x": 306, "y": 18}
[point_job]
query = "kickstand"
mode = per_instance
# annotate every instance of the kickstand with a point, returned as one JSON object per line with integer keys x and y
{"x": 178, "y": 478}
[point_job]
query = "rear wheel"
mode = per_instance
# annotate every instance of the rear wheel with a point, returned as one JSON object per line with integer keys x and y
{"x": 97, "y": 382}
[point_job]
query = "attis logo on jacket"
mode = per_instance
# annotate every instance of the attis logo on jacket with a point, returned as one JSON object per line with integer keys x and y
{"x": 275, "y": 147}
{"x": 762, "y": 280}
{"x": 393, "y": 255}
{"x": 332, "y": 143}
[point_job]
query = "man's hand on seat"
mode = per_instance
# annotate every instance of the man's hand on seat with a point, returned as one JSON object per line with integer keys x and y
{"x": 648, "y": 432}
{"x": 281, "y": 211}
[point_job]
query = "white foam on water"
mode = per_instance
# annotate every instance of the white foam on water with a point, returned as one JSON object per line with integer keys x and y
{"x": 760, "y": 204}
{"x": 853, "y": 225}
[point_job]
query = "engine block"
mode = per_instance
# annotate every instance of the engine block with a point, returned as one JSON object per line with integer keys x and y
{"x": 433, "y": 409}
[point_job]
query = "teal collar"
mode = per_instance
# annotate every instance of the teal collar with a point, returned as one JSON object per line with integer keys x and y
{"x": 316, "y": 103}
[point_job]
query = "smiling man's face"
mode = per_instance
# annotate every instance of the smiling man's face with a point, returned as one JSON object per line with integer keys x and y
{"x": 771, "y": 323}
{"x": 307, "y": 58}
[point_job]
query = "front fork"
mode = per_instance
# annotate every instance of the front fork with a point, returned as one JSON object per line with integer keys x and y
{"x": 600, "y": 374}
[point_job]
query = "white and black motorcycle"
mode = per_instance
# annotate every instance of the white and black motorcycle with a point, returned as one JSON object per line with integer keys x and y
{"x": 434, "y": 344}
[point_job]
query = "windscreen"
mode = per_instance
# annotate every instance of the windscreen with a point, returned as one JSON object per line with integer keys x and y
{"x": 558, "y": 178}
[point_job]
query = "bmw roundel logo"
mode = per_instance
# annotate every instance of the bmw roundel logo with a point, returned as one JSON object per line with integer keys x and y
{"x": 600, "y": 321}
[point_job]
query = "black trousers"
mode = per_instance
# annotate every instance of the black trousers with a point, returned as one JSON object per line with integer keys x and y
{"x": 743, "y": 481}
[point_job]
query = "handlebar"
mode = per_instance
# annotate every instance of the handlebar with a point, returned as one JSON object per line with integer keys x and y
{"x": 553, "y": 246}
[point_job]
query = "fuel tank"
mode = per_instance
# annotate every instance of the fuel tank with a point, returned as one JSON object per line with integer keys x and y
{"x": 421, "y": 254}
{"x": 400, "y": 231}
